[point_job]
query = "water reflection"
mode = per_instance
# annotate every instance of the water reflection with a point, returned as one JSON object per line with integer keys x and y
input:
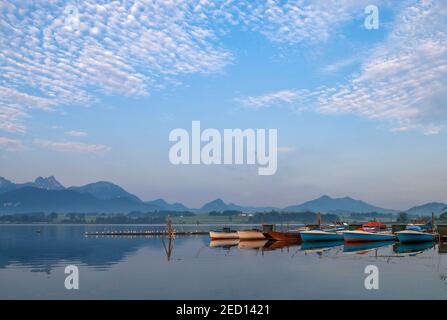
{"x": 281, "y": 245}
{"x": 44, "y": 248}
{"x": 365, "y": 247}
{"x": 412, "y": 248}
{"x": 224, "y": 243}
{"x": 193, "y": 267}
{"x": 252, "y": 244}
{"x": 320, "y": 246}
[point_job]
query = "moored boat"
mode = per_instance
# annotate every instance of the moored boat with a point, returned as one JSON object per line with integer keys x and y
{"x": 225, "y": 233}
{"x": 370, "y": 232}
{"x": 365, "y": 236}
{"x": 283, "y": 236}
{"x": 414, "y": 234}
{"x": 253, "y": 234}
{"x": 320, "y": 235}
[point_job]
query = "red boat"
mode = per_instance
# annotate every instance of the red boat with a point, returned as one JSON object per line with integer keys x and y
{"x": 374, "y": 226}
{"x": 283, "y": 236}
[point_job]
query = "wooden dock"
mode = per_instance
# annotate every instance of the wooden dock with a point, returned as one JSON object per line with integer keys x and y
{"x": 144, "y": 233}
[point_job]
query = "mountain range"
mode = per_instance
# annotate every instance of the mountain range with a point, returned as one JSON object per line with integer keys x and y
{"x": 49, "y": 195}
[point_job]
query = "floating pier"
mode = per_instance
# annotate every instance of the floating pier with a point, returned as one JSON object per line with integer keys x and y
{"x": 145, "y": 233}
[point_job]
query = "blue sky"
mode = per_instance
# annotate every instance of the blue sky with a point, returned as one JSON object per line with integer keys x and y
{"x": 359, "y": 112}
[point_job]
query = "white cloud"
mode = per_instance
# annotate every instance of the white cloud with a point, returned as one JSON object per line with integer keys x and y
{"x": 10, "y": 144}
{"x": 338, "y": 65}
{"x": 74, "y": 133}
{"x": 402, "y": 81}
{"x": 11, "y": 117}
{"x": 297, "y": 21}
{"x": 121, "y": 47}
{"x": 269, "y": 99}
{"x": 71, "y": 146}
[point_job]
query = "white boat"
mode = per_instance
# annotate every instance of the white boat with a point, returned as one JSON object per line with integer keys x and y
{"x": 225, "y": 233}
{"x": 251, "y": 235}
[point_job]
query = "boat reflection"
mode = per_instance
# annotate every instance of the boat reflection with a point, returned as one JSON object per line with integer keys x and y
{"x": 412, "y": 248}
{"x": 320, "y": 246}
{"x": 252, "y": 244}
{"x": 224, "y": 243}
{"x": 278, "y": 245}
{"x": 364, "y": 247}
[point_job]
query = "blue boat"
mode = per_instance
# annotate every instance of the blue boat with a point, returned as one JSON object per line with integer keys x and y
{"x": 414, "y": 234}
{"x": 320, "y": 235}
{"x": 364, "y": 236}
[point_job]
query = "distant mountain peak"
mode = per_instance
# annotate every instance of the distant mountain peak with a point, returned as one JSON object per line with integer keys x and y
{"x": 327, "y": 204}
{"x": 4, "y": 181}
{"x": 217, "y": 201}
{"x": 160, "y": 202}
{"x": 105, "y": 190}
{"x": 49, "y": 183}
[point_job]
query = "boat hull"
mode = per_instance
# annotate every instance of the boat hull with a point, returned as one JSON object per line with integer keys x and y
{"x": 283, "y": 236}
{"x": 251, "y": 235}
{"x": 414, "y": 236}
{"x": 363, "y": 236}
{"x": 315, "y": 236}
{"x": 219, "y": 235}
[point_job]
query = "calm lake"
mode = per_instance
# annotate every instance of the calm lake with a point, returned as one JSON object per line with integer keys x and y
{"x": 33, "y": 259}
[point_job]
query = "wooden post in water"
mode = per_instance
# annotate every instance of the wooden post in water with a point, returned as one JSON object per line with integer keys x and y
{"x": 170, "y": 232}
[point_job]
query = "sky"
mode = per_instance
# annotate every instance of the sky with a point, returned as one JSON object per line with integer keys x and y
{"x": 90, "y": 90}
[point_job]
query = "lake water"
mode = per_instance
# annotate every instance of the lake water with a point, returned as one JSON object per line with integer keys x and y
{"x": 33, "y": 260}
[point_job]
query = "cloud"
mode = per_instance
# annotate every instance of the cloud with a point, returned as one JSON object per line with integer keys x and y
{"x": 71, "y": 146}
{"x": 299, "y": 21}
{"x": 402, "y": 81}
{"x": 51, "y": 57}
{"x": 10, "y": 144}
{"x": 270, "y": 99}
{"x": 338, "y": 65}
{"x": 74, "y": 133}
{"x": 11, "y": 118}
